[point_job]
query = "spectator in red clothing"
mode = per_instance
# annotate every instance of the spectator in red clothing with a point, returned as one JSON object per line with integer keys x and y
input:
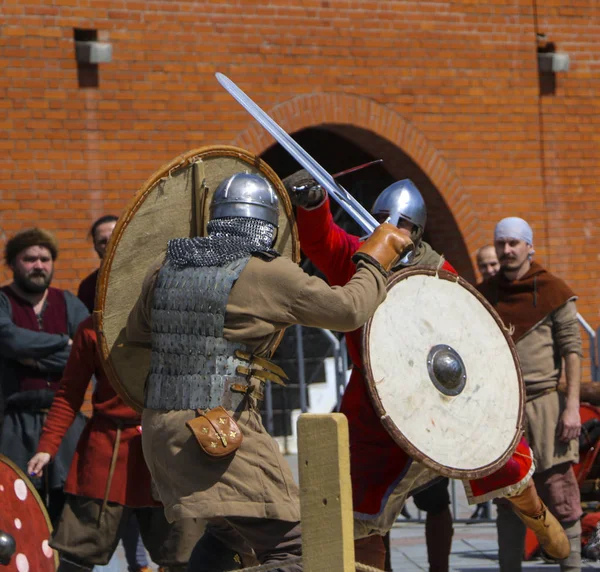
{"x": 100, "y": 232}
{"x": 108, "y": 480}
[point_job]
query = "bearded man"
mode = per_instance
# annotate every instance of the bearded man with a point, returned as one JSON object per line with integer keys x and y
{"x": 213, "y": 310}
{"x": 37, "y": 323}
{"x": 540, "y": 309}
{"x": 383, "y": 475}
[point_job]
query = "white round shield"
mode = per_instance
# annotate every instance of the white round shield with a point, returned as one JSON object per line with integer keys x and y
{"x": 444, "y": 375}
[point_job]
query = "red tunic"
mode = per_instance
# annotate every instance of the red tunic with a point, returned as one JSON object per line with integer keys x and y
{"x": 87, "y": 290}
{"x": 88, "y": 475}
{"x": 87, "y": 294}
{"x": 377, "y": 464}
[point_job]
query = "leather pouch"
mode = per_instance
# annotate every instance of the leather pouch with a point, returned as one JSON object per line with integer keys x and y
{"x": 216, "y": 432}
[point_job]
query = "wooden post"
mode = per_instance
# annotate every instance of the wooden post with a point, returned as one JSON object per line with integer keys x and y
{"x": 325, "y": 493}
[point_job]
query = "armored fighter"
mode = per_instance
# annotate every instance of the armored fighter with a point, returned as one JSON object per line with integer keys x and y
{"x": 383, "y": 474}
{"x": 213, "y": 309}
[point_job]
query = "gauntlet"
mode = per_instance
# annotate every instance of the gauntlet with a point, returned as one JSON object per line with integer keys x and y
{"x": 385, "y": 247}
{"x": 303, "y": 190}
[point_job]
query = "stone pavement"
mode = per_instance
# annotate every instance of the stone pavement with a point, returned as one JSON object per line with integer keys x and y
{"x": 474, "y": 546}
{"x": 474, "y": 549}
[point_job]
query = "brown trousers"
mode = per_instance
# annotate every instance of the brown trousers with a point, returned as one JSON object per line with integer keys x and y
{"x": 81, "y": 539}
{"x": 269, "y": 540}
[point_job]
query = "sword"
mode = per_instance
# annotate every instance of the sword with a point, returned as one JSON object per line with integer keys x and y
{"x": 361, "y": 215}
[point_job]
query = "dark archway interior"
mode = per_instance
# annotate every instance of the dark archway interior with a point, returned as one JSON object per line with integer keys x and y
{"x": 339, "y": 147}
{"x": 336, "y": 148}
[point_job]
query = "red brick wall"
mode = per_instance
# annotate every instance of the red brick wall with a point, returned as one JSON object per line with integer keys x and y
{"x": 454, "y": 85}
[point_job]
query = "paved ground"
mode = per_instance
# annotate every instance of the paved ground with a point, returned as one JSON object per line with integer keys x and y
{"x": 474, "y": 547}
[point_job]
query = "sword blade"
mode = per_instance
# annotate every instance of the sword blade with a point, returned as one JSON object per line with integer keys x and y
{"x": 361, "y": 215}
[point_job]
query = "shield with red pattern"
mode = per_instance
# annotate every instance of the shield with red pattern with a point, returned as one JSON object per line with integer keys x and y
{"x": 25, "y": 527}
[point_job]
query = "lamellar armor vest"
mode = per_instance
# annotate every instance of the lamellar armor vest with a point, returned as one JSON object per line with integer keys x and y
{"x": 192, "y": 364}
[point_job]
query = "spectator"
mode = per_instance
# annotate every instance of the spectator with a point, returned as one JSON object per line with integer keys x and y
{"x": 540, "y": 310}
{"x": 487, "y": 262}
{"x": 108, "y": 481}
{"x": 488, "y": 266}
{"x": 101, "y": 231}
{"x": 37, "y": 323}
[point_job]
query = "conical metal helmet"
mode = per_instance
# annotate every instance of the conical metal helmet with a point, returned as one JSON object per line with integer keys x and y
{"x": 402, "y": 201}
{"x": 245, "y": 195}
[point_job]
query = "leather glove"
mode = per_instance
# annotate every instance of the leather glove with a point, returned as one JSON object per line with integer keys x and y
{"x": 303, "y": 190}
{"x": 385, "y": 247}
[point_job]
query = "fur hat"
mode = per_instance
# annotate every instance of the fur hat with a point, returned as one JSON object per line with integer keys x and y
{"x": 27, "y": 238}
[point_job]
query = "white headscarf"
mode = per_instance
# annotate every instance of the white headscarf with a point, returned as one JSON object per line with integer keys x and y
{"x": 514, "y": 227}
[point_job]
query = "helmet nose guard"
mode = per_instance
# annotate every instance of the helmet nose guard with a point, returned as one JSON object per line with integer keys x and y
{"x": 402, "y": 201}
{"x": 245, "y": 195}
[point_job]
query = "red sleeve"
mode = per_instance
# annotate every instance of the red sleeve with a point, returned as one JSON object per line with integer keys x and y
{"x": 447, "y": 266}
{"x": 69, "y": 397}
{"x": 329, "y": 247}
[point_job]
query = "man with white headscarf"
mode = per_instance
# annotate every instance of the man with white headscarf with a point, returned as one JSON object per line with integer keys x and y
{"x": 540, "y": 310}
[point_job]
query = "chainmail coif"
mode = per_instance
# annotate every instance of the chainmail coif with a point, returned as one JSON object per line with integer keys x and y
{"x": 228, "y": 239}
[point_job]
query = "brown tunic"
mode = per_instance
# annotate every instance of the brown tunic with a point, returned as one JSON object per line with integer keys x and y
{"x": 540, "y": 353}
{"x": 256, "y": 481}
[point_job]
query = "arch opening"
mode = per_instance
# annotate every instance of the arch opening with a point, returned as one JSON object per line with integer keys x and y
{"x": 340, "y": 146}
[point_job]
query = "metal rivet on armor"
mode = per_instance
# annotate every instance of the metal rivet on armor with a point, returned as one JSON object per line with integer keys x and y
{"x": 213, "y": 444}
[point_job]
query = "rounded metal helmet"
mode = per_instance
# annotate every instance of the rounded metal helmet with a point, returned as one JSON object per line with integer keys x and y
{"x": 245, "y": 195}
{"x": 402, "y": 201}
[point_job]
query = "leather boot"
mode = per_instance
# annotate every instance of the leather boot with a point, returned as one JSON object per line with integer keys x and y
{"x": 438, "y": 536}
{"x": 549, "y": 532}
{"x": 370, "y": 551}
{"x": 535, "y": 514}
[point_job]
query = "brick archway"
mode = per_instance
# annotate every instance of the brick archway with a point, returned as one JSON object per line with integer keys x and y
{"x": 340, "y": 109}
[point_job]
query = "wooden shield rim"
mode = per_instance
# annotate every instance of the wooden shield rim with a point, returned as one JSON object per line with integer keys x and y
{"x": 391, "y": 427}
{"x": 129, "y": 212}
{"x": 5, "y": 460}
